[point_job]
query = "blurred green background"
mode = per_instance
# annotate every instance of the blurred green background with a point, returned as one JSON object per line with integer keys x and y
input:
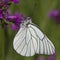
{"x": 38, "y": 10}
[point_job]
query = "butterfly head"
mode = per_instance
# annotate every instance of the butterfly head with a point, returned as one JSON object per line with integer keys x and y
{"x": 26, "y": 22}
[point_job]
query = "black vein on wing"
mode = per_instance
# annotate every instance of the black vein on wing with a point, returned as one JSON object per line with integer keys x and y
{"x": 50, "y": 44}
{"x": 30, "y": 48}
{"x": 39, "y": 46}
{"x": 42, "y": 43}
{"x": 48, "y": 47}
{"x": 39, "y": 39}
{"x": 42, "y": 39}
{"x": 25, "y": 42}
{"x": 32, "y": 40}
{"x": 35, "y": 32}
{"x": 22, "y": 48}
{"x": 21, "y": 42}
{"x": 18, "y": 38}
{"x": 27, "y": 48}
{"x": 43, "y": 47}
{"x": 19, "y": 32}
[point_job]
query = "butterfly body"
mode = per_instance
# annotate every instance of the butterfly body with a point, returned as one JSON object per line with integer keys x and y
{"x": 26, "y": 22}
{"x": 30, "y": 40}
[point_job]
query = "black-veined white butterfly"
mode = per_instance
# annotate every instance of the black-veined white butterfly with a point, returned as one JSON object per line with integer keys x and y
{"x": 30, "y": 40}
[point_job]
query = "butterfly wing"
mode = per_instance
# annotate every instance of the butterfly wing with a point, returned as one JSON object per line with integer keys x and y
{"x": 45, "y": 46}
{"x": 31, "y": 40}
{"x": 24, "y": 43}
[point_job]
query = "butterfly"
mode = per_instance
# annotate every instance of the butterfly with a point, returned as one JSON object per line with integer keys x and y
{"x": 30, "y": 40}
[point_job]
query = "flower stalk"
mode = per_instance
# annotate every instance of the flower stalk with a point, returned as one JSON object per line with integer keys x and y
{"x": 7, "y": 19}
{"x": 4, "y": 22}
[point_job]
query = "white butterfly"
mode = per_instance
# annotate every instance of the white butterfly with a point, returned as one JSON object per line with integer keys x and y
{"x": 30, "y": 40}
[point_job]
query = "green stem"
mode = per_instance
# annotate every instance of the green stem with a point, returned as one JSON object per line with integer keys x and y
{"x": 5, "y": 43}
{"x": 6, "y": 40}
{"x": 34, "y": 9}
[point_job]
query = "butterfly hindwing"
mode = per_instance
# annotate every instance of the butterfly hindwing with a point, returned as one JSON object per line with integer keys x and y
{"x": 45, "y": 46}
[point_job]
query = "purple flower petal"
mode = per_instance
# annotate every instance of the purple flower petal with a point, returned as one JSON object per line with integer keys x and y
{"x": 14, "y": 27}
{"x": 16, "y": 19}
{"x": 1, "y": 10}
{"x": 55, "y": 14}
{"x": 20, "y": 17}
{"x": 40, "y": 58}
{"x": 16, "y": 1}
{"x": 1, "y": 13}
{"x": 9, "y": 12}
{"x": 6, "y": 0}
{"x": 11, "y": 17}
{"x": 53, "y": 57}
{"x": 1, "y": 16}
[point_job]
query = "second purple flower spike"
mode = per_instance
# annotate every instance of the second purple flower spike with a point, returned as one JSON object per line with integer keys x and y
{"x": 55, "y": 14}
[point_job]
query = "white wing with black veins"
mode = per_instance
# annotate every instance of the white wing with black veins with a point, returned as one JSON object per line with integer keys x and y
{"x": 31, "y": 40}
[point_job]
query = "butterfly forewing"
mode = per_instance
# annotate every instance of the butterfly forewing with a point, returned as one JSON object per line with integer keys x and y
{"x": 24, "y": 43}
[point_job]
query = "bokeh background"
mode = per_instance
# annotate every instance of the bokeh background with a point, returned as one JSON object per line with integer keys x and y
{"x": 38, "y": 10}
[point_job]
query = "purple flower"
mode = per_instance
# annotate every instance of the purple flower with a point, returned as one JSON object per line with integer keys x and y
{"x": 55, "y": 14}
{"x": 8, "y": 17}
{"x": 15, "y": 27}
{"x": 1, "y": 11}
{"x": 16, "y": 1}
{"x": 1, "y": 16}
{"x": 6, "y": 0}
{"x": 16, "y": 19}
{"x": 53, "y": 57}
{"x": 20, "y": 17}
{"x": 7, "y": 3}
{"x": 11, "y": 18}
{"x": 40, "y": 58}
